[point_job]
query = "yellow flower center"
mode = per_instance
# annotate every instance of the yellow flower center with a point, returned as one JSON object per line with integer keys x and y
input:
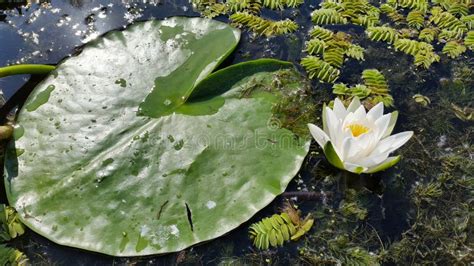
{"x": 358, "y": 129}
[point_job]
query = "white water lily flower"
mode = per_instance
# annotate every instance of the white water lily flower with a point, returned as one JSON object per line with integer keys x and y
{"x": 357, "y": 141}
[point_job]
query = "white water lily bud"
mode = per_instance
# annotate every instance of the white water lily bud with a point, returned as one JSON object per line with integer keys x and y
{"x": 357, "y": 141}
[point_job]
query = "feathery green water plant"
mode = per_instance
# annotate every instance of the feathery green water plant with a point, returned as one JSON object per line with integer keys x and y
{"x": 359, "y": 12}
{"x": 321, "y": 33}
{"x": 469, "y": 21}
{"x": 275, "y": 230}
{"x": 11, "y": 256}
{"x": 263, "y": 26}
{"x": 469, "y": 40}
{"x": 252, "y": 6}
{"x": 355, "y": 51}
{"x": 415, "y": 19}
{"x": 10, "y": 224}
{"x": 317, "y": 68}
{"x": 325, "y": 16}
{"x": 382, "y": 33}
{"x": 392, "y": 13}
{"x": 334, "y": 48}
{"x": 428, "y": 34}
{"x": 374, "y": 89}
{"x": 421, "y": 5}
{"x": 407, "y": 46}
{"x": 315, "y": 46}
{"x": 446, "y": 20}
{"x": 334, "y": 55}
{"x": 459, "y": 9}
{"x": 423, "y": 52}
{"x": 246, "y": 13}
{"x": 453, "y": 49}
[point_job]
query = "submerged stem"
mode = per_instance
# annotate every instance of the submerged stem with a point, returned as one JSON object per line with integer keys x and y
{"x": 25, "y": 69}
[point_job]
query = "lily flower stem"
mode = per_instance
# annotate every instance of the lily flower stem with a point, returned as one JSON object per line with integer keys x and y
{"x": 25, "y": 69}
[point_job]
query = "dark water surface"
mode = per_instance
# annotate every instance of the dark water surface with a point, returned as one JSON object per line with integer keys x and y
{"x": 47, "y": 33}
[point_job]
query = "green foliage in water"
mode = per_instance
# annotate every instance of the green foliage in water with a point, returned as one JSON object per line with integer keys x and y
{"x": 325, "y": 16}
{"x": 333, "y": 48}
{"x": 10, "y": 224}
{"x": 275, "y": 230}
{"x": 247, "y": 13}
{"x": 373, "y": 90}
{"x": 263, "y": 26}
{"x": 442, "y": 230}
{"x": 453, "y": 49}
{"x": 317, "y": 68}
{"x": 382, "y": 33}
{"x": 10, "y": 228}
{"x": 11, "y": 256}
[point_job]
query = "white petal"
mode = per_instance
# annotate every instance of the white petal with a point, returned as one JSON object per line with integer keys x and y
{"x": 391, "y": 125}
{"x": 319, "y": 135}
{"x": 324, "y": 117}
{"x": 332, "y": 123}
{"x": 360, "y": 114}
{"x": 382, "y": 125}
{"x": 373, "y": 160}
{"x": 354, "y": 105}
{"x": 376, "y": 112}
{"x": 346, "y": 148}
{"x": 354, "y": 168}
{"x": 390, "y": 161}
{"x": 339, "y": 109}
{"x": 389, "y": 144}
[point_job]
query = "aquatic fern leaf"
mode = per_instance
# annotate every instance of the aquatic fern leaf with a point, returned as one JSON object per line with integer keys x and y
{"x": 407, "y": 46}
{"x": 11, "y": 256}
{"x": 356, "y": 52}
{"x": 366, "y": 20}
{"x": 317, "y": 68}
{"x": 446, "y": 20}
{"x": 315, "y": 46}
{"x": 250, "y": 6}
{"x": 358, "y": 90}
{"x": 263, "y": 26}
{"x": 421, "y": 5}
{"x": 294, "y": 3}
{"x": 392, "y": 13}
{"x": 449, "y": 35}
{"x": 469, "y": 40}
{"x": 425, "y": 56}
{"x": 469, "y": 21}
{"x": 274, "y": 4}
{"x": 327, "y": 16}
{"x": 428, "y": 34}
{"x": 375, "y": 81}
{"x": 374, "y": 90}
{"x": 453, "y": 49}
{"x": 382, "y": 33}
{"x": 321, "y": 33}
{"x": 272, "y": 231}
{"x": 415, "y": 19}
{"x": 334, "y": 56}
{"x": 460, "y": 9}
{"x": 275, "y": 230}
{"x": 10, "y": 224}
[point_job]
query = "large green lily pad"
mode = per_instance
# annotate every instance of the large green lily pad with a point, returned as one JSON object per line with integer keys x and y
{"x": 122, "y": 152}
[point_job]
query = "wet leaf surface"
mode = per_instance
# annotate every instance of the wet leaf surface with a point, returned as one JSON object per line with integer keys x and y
{"x": 119, "y": 156}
